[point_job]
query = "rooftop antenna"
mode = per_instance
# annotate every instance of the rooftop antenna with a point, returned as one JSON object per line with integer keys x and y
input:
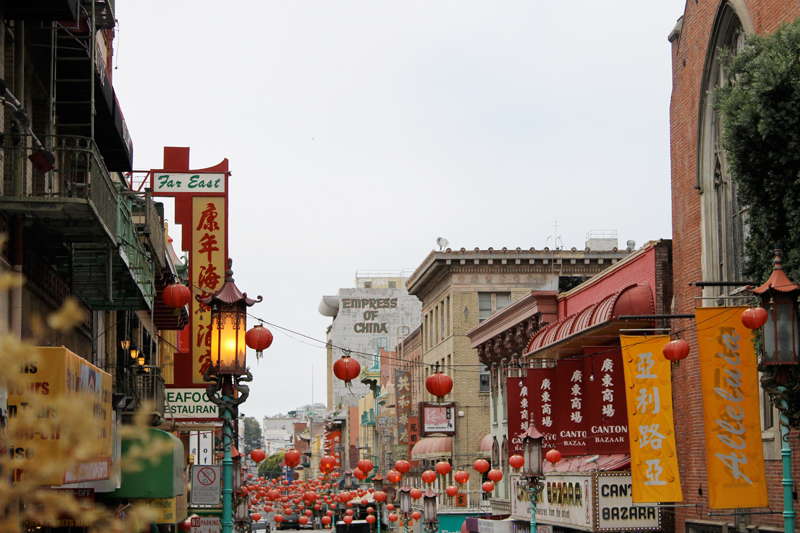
{"x": 442, "y": 242}
{"x": 558, "y": 244}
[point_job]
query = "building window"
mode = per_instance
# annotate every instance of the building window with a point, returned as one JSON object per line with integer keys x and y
{"x": 485, "y": 379}
{"x": 392, "y": 284}
{"x": 491, "y": 302}
{"x": 725, "y": 225}
{"x": 367, "y": 284}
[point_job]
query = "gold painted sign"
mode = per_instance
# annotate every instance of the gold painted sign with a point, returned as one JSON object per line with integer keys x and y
{"x": 45, "y": 377}
{"x": 165, "y": 509}
{"x": 208, "y": 272}
{"x": 729, "y": 377}
{"x": 648, "y": 386}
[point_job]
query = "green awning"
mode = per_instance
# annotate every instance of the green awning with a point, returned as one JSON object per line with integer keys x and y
{"x": 161, "y": 477}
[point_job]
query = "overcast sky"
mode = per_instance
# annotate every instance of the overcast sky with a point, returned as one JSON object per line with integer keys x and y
{"x": 359, "y": 132}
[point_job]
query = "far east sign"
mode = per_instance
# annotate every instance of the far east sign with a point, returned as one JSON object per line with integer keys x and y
{"x": 173, "y": 182}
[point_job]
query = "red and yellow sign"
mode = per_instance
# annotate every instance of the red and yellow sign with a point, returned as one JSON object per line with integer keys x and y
{"x": 208, "y": 263}
{"x": 45, "y": 378}
{"x": 648, "y": 385}
{"x": 729, "y": 376}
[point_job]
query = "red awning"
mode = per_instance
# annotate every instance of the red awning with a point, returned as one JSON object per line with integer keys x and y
{"x": 432, "y": 448}
{"x": 485, "y": 446}
{"x": 604, "y": 463}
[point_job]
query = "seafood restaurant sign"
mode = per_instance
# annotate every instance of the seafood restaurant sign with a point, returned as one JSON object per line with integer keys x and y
{"x": 190, "y": 403}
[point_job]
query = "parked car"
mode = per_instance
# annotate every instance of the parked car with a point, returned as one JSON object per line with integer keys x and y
{"x": 262, "y": 525}
{"x": 290, "y": 521}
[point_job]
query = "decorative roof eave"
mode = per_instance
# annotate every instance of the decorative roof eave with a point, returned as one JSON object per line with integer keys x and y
{"x": 229, "y": 293}
{"x": 778, "y": 280}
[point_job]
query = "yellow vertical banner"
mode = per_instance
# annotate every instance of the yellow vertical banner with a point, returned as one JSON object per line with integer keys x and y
{"x": 648, "y": 390}
{"x": 208, "y": 273}
{"x": 729, "y": 377}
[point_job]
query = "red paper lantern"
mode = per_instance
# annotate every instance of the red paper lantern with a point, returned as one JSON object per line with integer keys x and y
{"x": 402, "y": 466}
{"x": 326, "y": 520}
{"x": 439, "y": 385}
{"x": 359, "y": 474}
{"x": 429, "y": 476}
{"x": 451, "y": 490}
{"x": 365, "y": 465}
{"x": 495, "y": 475}
{"x": 327, "y": 464}
{"x": 292, "y": 458}
{"x": 256, "y": 517}
{"x": 392, "y": 517}
{"x": 349, "y": 512}
{"x": 308, "y": 512}
{"x": 754, "y": 318}
{"x": 278, "y": 518}
{"x": 516, "y": 461}
{"x": 370, "y": 519}
{"x": 393, "y": 476}
{"x": 443, "y": 468}
{"x": 553, "y": 456}
{"x": 185, "y": 525}
{"x": 416, "y": 515}
{"x": 676, "y": 350}
{"x": 488, "y": 486}
{"x": 257, "y": 456}
{"x": 415, "y": 493}
{"x": 303, "y": 520}
{"x": 347, "y": 369}
{"x": 481, "y": 465}
{"x": 258, "y": 338}
{"x": 176, "y": 295}
{"x": 461, "y": 477}
{"x": 347, "y": 520}
{"x": 379, "y": 496}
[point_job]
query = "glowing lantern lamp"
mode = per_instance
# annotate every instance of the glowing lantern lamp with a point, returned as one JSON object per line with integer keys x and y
{"x": 779, "y": 300}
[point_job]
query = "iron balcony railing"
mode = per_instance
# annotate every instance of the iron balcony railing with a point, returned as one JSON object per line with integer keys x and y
{"x": 146, "y": 386}
{"x": 150, "y": 226}
{"x": 132, "y": 251}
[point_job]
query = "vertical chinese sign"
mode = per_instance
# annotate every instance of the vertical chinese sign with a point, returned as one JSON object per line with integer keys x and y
{"x": 570, "y": 402}
{"x": 533, "y": 393}
{"x": 201, "y": 207}
{"x": 402, "y": 384}
{"x": 729, "y": 376}
{"x": 648, "y": 383}
{"x": 606, "y": 409}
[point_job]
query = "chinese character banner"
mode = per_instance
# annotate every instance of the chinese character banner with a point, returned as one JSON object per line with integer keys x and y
{"x": 569, "y": 392}
{"x": 729, "y": 375}
{"x": 648, "y": 384}
{"x": 208, "y": 265}
{"x": 606, "y": 409}
{"x": 402, "y": 380}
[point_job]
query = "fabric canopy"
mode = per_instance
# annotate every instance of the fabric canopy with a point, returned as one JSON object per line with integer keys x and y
{"x": 432, "y": 448}
{"x": 485, "y": 446}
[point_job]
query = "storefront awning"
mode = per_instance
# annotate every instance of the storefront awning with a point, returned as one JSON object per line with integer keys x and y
{"x": 485, "y": 446}
{"x": 604, "y": 463}
{"x": 160, "y": 477}
{"x": 432, "y": 448}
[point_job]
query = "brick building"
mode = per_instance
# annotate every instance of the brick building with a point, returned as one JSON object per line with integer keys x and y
{"x": 460, "y": 289}
{"x": 709, "y": 230}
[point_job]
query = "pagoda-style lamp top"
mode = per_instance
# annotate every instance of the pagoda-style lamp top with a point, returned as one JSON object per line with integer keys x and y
{"x": 348, "y": 480}
{"x": 377, "y": 482}
{"x": 429, "y": 506}
{"x": 228, "y": 326}
{"x": 405, "y": 499}
{"x": 779, "y": 299}
{"x": 532, "y": 452}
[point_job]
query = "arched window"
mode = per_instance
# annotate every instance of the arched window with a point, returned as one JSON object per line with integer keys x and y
{"x": 724, "y": 220}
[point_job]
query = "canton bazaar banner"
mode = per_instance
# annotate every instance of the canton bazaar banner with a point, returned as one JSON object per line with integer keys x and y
{"x": 648, "y": 382}
{"x": 578, "y": 406}
{"x": 729, "y": 377}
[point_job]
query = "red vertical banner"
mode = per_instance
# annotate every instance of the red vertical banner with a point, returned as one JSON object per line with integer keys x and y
{"x": 606, "y": 410}
{"x": 413, "y": 436}
{"x": 516, "y": 422}
{"x": 569, "y": 405}
{"x": 541, "y": 382}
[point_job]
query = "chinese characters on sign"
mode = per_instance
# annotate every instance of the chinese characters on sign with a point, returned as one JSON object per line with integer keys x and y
{"x": 402, "y": 380}
{"x": 648, "y": 381}
{"x": 605, "y": 411}
{"x": 729, "y": 374}
{"x": 438, "y": 419}
{"x": 208, "y": 265}
{"x": 569, "y": 404}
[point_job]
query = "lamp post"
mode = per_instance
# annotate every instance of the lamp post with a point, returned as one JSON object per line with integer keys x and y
{"x": 380, "y": 496}
{"x": 532, "y": 471}
{"x": 405, "y": 503}
{"x": 779, "y": 363}
{"x": 431, "y": 522}
{"x": 226, "y": 371}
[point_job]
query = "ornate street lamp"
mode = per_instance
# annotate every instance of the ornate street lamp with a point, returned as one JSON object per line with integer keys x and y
{"x": 348, "y": 480}
{"x": 227, "y": 370}
{"x": 431, "y": 521}
{"x": 779, "y": 363}
{"x": 405, "y": 502}
{"x": 532, "y": 469}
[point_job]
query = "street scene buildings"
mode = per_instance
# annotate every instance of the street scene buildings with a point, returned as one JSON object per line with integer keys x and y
{"x": 612, "y": 388}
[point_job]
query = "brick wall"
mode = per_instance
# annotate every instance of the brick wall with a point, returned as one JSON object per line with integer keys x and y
{"x": 688, "y": 59}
